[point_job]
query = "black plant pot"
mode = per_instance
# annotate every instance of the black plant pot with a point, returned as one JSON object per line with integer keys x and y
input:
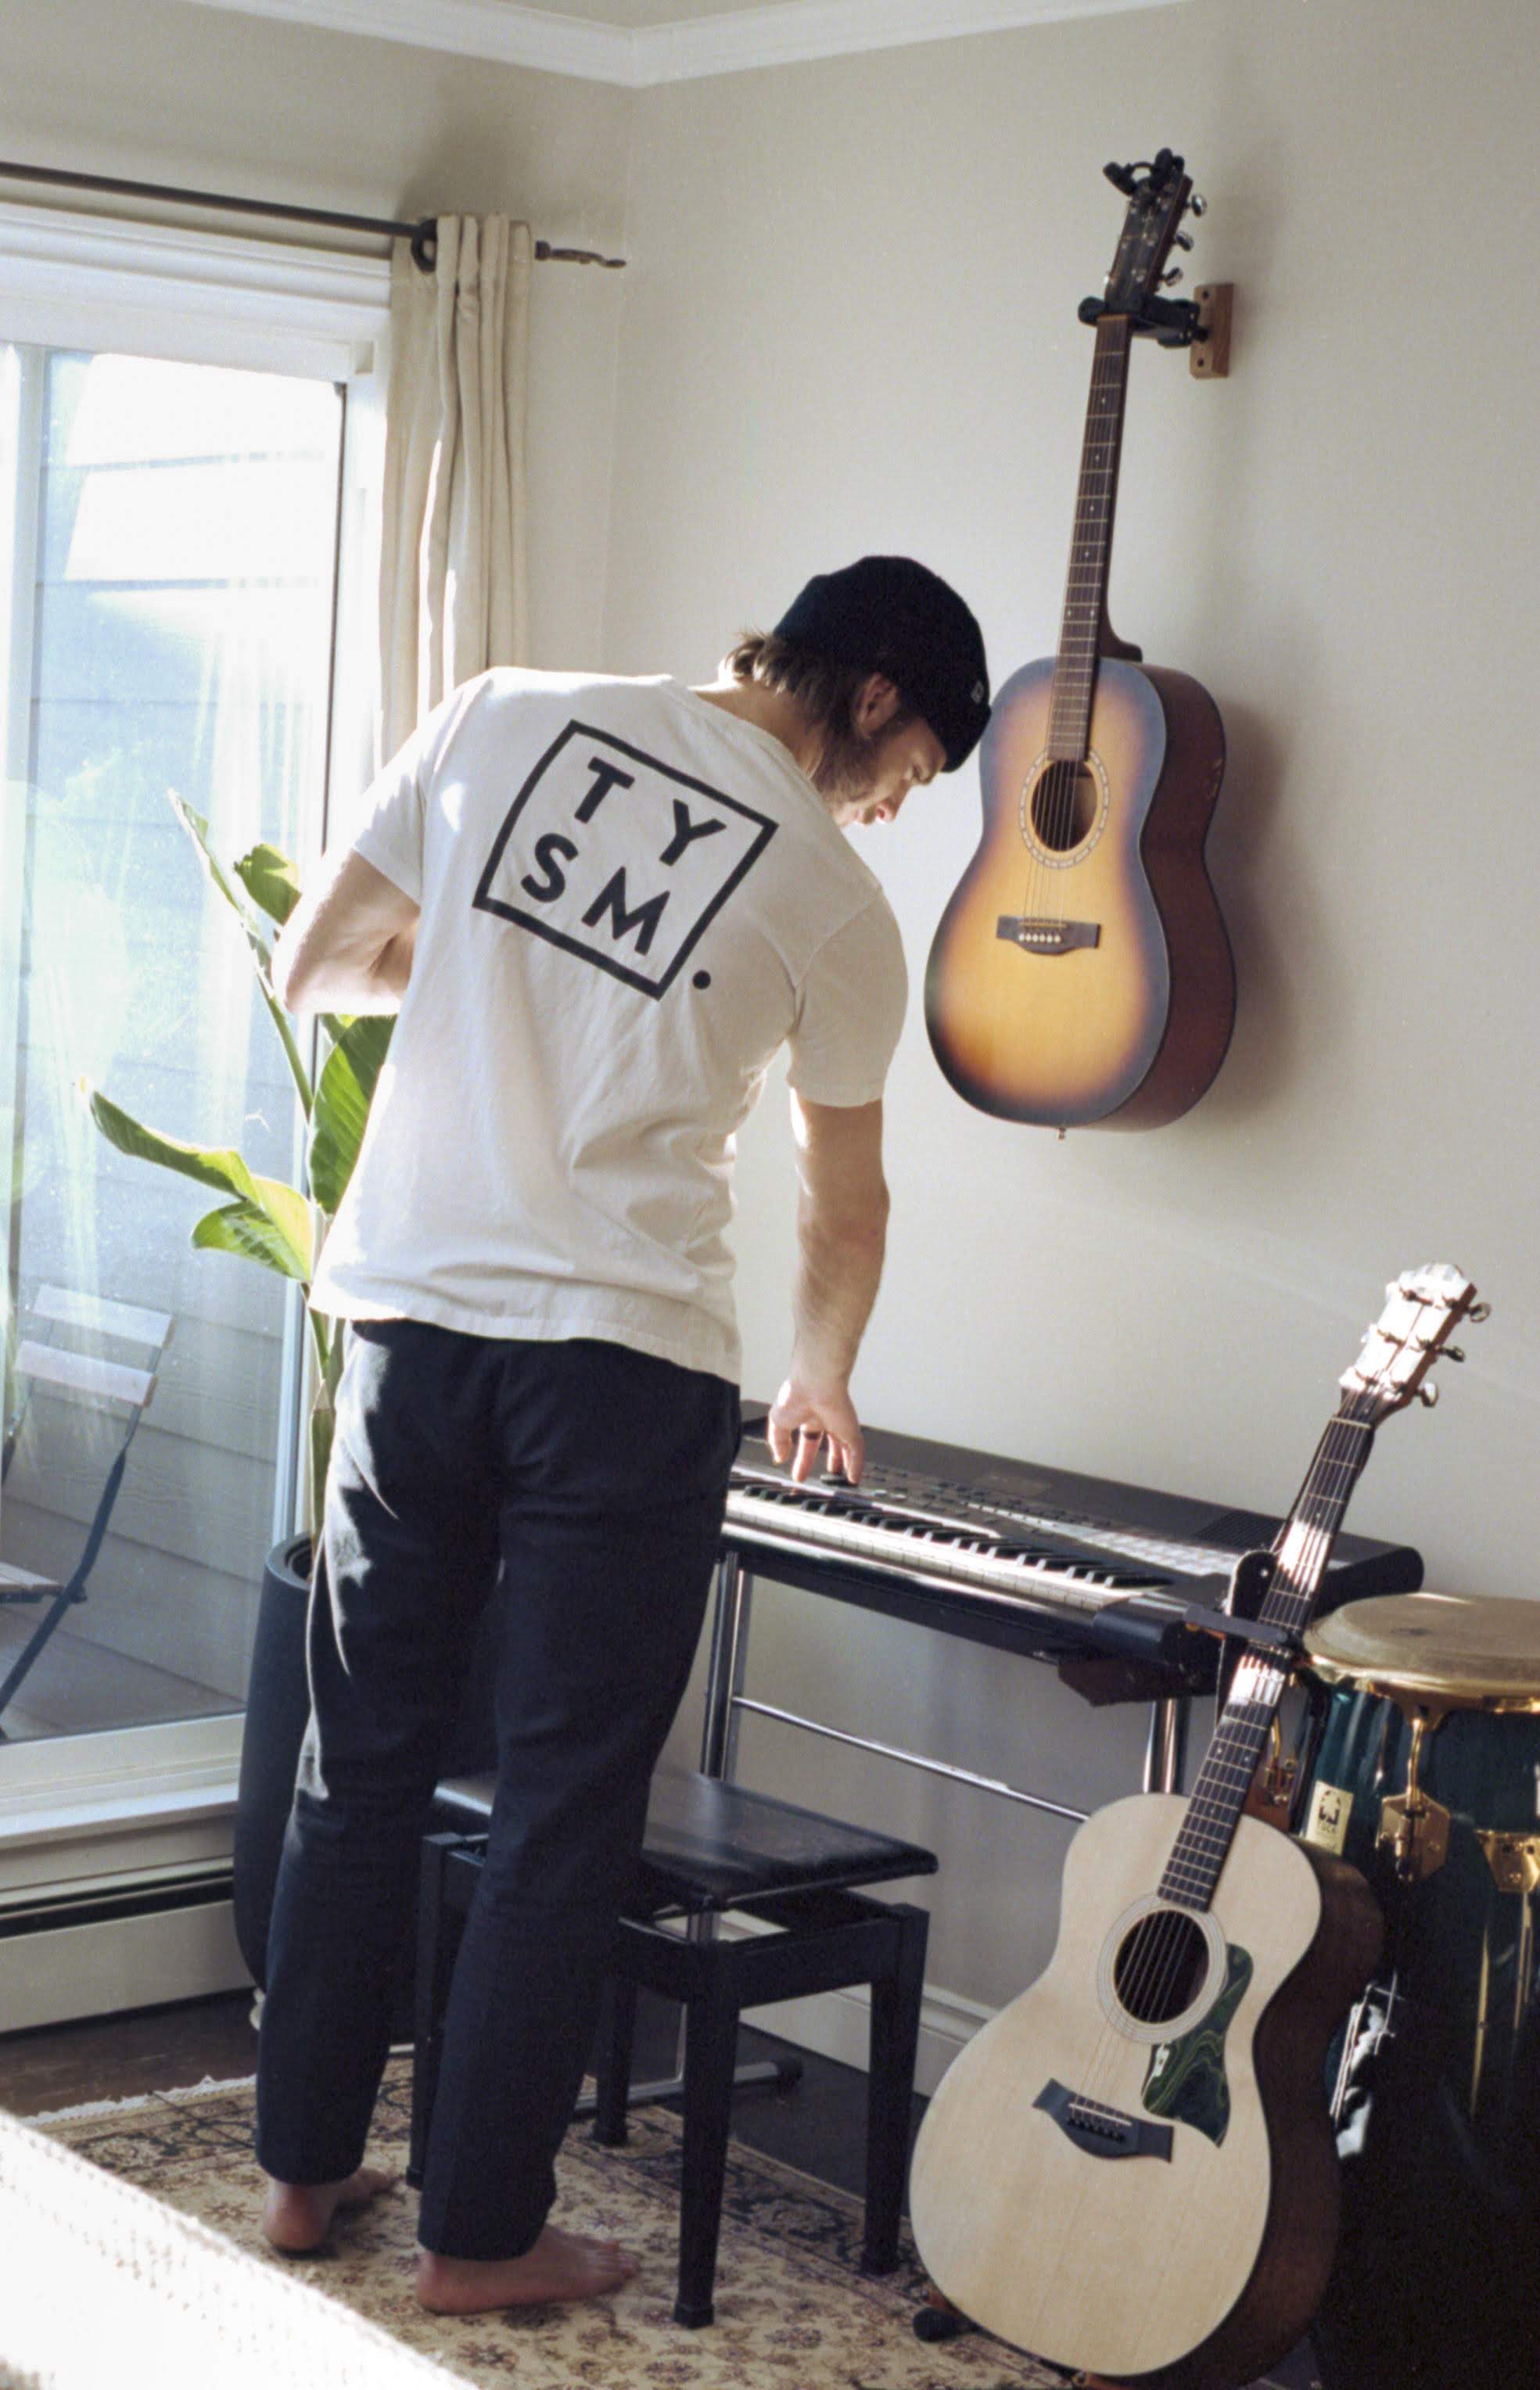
{"x": 277, "y": 1709}
{"x": 277, "y": 1712}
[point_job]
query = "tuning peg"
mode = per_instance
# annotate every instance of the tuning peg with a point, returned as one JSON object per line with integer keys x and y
{"x": 1198, "y": 204}
{"x": 1428, "y": 1395}
{"x": 1167, "y": 280}
{"x": 1181, "y": 240}
{"x": 1453, "y": 1352}
{"x": 1477, "y": 1312}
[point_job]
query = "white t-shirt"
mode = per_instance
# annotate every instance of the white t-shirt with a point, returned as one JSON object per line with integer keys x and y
{"x": 629, "y": 900}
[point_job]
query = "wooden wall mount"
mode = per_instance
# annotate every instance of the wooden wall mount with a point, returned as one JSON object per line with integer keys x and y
{"x": 1209, "y": 357}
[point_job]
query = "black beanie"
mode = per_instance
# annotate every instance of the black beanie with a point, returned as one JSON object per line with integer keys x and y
{"x": 888, "y": 614}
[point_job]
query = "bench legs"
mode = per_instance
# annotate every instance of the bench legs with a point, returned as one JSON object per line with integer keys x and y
{"x": 617, "y": 2034}
{"x": 894, "y": 2044}
{"x": 711, "y": 2051}
{"x": 712, "y": 1999}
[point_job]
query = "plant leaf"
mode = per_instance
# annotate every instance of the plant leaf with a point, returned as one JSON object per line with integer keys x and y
{"x": 270, "y": 881}
{"x": 210, "y": 1165}
{"x": 196, "y": 827}
{"x": 342, "y": 1099}
{"x": 21, "y": 1166}
{"x": 323, "y": 1429}
{"x": 258, "y": 947}
{"x": 251, "y": 1234}
{"x": 291, "y": 1214}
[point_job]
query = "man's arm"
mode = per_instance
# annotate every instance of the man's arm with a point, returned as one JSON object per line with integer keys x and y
{"x": 841, "y": 1230}
{"x": 347, "y": 947}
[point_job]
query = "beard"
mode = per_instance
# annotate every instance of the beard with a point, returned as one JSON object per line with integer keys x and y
{"x": 850, "y": 762}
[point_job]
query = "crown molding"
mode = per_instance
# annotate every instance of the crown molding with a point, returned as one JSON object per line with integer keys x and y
{"x": 497, "y": 30}
{"x": 796, "y": 31}
{"x": 784, "y": 34}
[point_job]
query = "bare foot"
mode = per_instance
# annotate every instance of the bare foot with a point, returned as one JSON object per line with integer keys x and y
{"x": 559, "y": 2266}
{"x": 297, "y": 2216}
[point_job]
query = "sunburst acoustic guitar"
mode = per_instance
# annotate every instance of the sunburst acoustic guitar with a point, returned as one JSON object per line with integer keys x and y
{"x": 1082, "y": 973}
{"x": 1130, "y": 2170}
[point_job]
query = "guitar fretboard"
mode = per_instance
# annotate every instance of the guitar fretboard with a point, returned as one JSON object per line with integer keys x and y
{"x": 1086, "y": 591}
{"x": 1218, "y": 1798}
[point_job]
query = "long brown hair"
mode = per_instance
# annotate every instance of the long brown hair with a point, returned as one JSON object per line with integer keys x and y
{"x": 826, "y": 691}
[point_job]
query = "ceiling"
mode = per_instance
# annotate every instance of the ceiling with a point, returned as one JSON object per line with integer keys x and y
{"x": 640, "y": 42}
{"x": 634, "y": 16}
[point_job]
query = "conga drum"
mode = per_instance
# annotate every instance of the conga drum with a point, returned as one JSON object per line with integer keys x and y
{"x": 1426, "y": 1776}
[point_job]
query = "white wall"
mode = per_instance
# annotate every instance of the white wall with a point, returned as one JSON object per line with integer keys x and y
{"x": 211, "y": 100}
{"x": 851, "y": 325}
{"x": 849, "y": 322}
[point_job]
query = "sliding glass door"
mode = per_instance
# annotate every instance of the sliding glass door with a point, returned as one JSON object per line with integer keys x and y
{"x": 168, "y": 537}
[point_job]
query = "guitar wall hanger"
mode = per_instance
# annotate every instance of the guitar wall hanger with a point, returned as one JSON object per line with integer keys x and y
{"x": 1201, "y": 323}
{"x": 1171, "y": 322}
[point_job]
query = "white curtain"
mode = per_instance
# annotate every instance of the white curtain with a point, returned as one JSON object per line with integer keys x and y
{"x": 453, "y": 583}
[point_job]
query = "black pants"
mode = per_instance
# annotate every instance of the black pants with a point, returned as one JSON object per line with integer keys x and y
{"x": 594, "y": 1478}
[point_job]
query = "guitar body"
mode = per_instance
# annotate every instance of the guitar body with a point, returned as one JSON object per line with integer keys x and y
{"x": 1195, "y": 2264}
{"x": 1126, "y": 1032}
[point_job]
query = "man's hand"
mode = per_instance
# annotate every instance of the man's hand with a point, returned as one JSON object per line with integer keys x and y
{"x": 802, "y": 1417}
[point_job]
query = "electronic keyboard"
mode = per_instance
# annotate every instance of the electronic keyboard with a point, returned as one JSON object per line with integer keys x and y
{"x": 1020, "y": 1554}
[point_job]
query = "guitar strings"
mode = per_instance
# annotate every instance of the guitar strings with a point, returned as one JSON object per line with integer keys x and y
{"x": 1167, "y": 1935}
{"x": 1206, "y": 1808}
{"x": 1050, "y": 800}
{"x": 1151, "y": 1983}
{"x": 1208, "y": 1803}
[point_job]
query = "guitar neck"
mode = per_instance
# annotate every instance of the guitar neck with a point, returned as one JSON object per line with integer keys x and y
{"x": 1225, "y": 1780}
{"x": 1086, "y": 591}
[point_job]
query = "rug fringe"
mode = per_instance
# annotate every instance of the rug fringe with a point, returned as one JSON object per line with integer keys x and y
{"x": 141, "y": 2100}
{"x": 87, "y": 2108}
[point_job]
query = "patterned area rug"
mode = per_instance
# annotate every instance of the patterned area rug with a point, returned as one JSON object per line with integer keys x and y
{"x": 793, "y": 2313}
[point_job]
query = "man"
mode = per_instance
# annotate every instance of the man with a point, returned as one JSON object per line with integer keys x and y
{"x": 601, "y": 907}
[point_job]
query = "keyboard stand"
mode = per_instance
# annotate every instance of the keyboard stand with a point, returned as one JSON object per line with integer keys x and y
{"x": 726, "y": 1702}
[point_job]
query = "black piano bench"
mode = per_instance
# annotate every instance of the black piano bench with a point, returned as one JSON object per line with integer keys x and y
{"x": 710, "y": 1847}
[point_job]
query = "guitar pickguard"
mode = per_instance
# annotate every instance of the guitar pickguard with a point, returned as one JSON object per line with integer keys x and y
{"x": 1187, "y": 2077}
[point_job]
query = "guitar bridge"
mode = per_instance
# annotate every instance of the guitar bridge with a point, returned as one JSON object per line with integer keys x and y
{"x": 1045, "y": 937}
{"x": 1100, "y": 2131}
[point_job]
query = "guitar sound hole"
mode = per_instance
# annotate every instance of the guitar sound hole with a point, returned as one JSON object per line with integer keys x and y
{"x": 1160, "y": 1967}
{"x": 1064, "y": 806}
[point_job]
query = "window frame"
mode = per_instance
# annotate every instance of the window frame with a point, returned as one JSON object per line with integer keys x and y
{"x": 131, "y": 1803}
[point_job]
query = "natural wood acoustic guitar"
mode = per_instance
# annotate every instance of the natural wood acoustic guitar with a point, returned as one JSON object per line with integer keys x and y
{"x": 1130, "y": 2170}
{"x": 1082, "y": 974}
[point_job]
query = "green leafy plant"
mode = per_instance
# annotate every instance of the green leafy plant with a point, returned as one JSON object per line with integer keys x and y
{"x": 261, "y": 1219}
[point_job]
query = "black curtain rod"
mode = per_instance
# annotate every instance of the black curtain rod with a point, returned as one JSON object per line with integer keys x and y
{"x": 423, "y": 236}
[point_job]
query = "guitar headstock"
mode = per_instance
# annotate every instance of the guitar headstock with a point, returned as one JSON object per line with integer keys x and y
{"x": 1159, "y": 196}
{"x": 1423, "y": 1309}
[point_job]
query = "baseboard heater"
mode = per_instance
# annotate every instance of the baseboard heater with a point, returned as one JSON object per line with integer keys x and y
{"x": 81, "y": 1952}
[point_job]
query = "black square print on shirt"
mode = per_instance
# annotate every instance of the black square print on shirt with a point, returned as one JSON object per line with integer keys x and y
{"x": 619, "y": 857}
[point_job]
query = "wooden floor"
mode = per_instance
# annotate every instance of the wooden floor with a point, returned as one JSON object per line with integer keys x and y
{"x": 123, "y": 2058}
{"x": 818, "y": 2126}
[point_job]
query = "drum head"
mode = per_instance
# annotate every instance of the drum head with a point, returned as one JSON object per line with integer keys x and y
{"x": 1464, "y": 1650}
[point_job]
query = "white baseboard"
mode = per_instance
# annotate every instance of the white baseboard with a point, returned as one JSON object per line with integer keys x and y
{"x": 54, "y": 1976}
